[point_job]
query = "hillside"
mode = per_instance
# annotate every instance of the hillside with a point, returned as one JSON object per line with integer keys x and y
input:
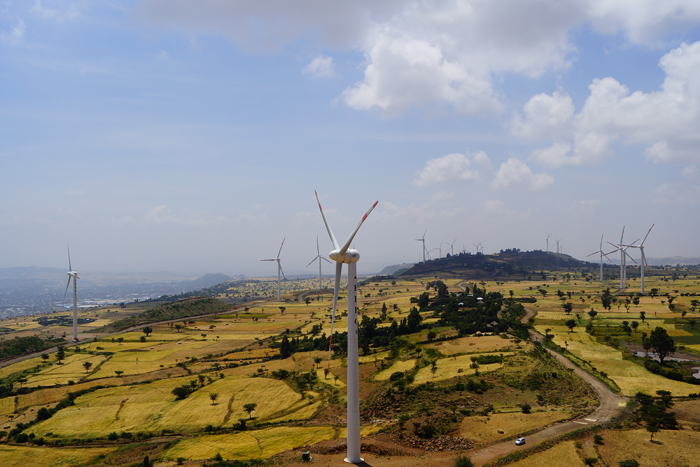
{"x": 506, "y": 263}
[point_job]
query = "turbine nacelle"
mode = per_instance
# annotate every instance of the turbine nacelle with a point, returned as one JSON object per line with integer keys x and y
{"x": 350, "y": 256}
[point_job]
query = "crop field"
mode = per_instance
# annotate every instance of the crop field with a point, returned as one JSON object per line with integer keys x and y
{"x": 20, "y": 366}
{"x": 21, "y": 456}
{"x": 152, "y": 407}
{"x": 558, "y": 455}
{"x": 631, "y": 378}
{"x": 486, "y": 428}
{"x": 451, "y": 367}
{"x": 473, "y": 345}
{"x": 671, "y": 448}
{"x": 258, "y": 444}
{"x": 398, "y": 366}
{"x": 70, "y": 370}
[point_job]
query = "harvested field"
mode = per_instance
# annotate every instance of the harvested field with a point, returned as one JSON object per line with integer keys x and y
{"x": 398, "y": 366}
{"x": 20, "y": 456}
{"x": 486, "y": 429}
{"x": 473, "y": 345}
{"x": 71, "y": 370}
{"x": 449, "y": 368}
{"x": 563, "y": 454}
{"x": 670, "y": 448}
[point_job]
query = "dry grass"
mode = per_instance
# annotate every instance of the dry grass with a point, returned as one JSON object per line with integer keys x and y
{"x": 71, "y": 370}
{"x": 249, "y": 445}
{"x": 20, "y": 456}
{"x": 21, "y": 366}
{"x": 472, "y": 345}
{"x": 687, "y": 412}
{"x": 563, "y": 454}
{"x": 449, "y": 368}
{"x": 398, "y": 366}
{"x": 485, "y": 429}
{"x": 631, "y": 378}
{"x": 670, "y": 448}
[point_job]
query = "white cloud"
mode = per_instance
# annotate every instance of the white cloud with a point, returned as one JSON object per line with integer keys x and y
{"x": 666, "y": 120}
{"x": 321, "y": 67}
{"x": 61, "y": 11}
{"x": 162, "y": 55}
{"x": 434, "y": 52}
{"x": 453, "y": 167}
{"x": 545, "y": 116}
{"x": 691, "y": 172}
{"x": 16, "y": 35}
{"x": 682, "y": 193}
{"x": 517, "y": 175}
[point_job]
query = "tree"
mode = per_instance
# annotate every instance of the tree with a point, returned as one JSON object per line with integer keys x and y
{"x": 87, "y": 366}
{"x": 634, "y": 325}
{"x": 118, "y": 372}
{"x": 178, "y": 327}
{"x": 325, "y": 373}
{"x": 571, "y": 324}
{"x": 662, "y": 343}
{"x": 147, "y": 330}
{"x": 285, "y": 348}
{"x": 120, "y": 339}
{"x": 250, "y": 408}
{"x": 282, "y": 308}
{"x": 60, "y": 353}
{"x": 307, "y": 300}
{"x": 642, "y": 315}
{"x": 44, "y": 357}
{"x": 567, "y": 306}
{"x": 592, "y": 313}
{"x": 463, "y": 461}
{"x": 607, "y": 301}
{"x": 431, "y": 335}
{"x": 433, "y": 368}
{"x": 213, "y": 396}
{"x": 317, "y": 360}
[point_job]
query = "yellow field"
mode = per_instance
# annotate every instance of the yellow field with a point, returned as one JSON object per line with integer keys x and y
{"x": 675, "y": 448}
{"x": 152, "y": 407}
{"x": 21, "y": 366}
{"x": 472, "y": 345}
{"x": 250, "y": 444}
{"x": 449, "y": 368}
{"x": 398, "y": 366}
{"x": 563, "y": 454}
{"x": 20, "y": 456}
{"x": 485, "y": 429}
{"x": 71, "y": 370}
{"x": 631, "y": 378}
{"x": 331, "y": 380}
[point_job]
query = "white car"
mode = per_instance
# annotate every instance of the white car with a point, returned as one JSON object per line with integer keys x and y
{"x": 520, "y": 441}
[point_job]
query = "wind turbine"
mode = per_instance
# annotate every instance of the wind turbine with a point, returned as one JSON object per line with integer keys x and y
{"x": 547, "y": 239}
{"x": 623, "y": 258}
{"x": 350, "y": 256}
{"x": 477, "y": 245}
{"x": 279, "y": 270}
{"x": 600, "y": 250}
{"x": 73, "y": 275}
{"x": 558, "y": 240}
{"x": 643, "y": 262}
{"x": 452, "y": 247}
{"x": 423, "y": 240}
{"x": 319, "y": 258}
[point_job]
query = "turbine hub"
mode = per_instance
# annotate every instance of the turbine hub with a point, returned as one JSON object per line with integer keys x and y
{"x": 350, "y": 256}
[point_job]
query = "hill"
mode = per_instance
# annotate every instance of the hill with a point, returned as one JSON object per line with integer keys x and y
{"x": 396, "y": 268}
{"x": 507, "y": 262}
{"x": 209, "y": 280}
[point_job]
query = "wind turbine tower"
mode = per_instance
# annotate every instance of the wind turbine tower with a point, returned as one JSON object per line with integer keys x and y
{"x": 349, "y": 256}
{"x": 319, "y": 258}
{"x": 73, "y": 275}
{"x": 423, "y": 241}
{"x": 279, "y": 271}
{"x": 600, "y": 250}
{"x": 623, "y": 258}
{"x": 643, "y": 263}
{"x": 452, "y": 246}
{"x": 547, "y": 239}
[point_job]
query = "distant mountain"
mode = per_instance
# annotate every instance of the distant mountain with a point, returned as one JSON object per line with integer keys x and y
{"x": 673, "y": 261}
{"x": 394, "y": 268}
{"x": 209, "y": 280}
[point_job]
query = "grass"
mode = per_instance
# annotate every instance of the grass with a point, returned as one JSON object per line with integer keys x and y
{"x": 259, "y": 444}
{"x": 562, "y": 454}
{"x": 485, "y": 428}
{"x": 473, "y": 344}
{"x": 21, "y": 456}
{"x": 450, "y": 367}
{"x": 671, "y": 448}
{"x": 71, "y": 370}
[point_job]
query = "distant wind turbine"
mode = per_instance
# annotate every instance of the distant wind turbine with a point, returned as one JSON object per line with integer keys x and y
{"x": 73, "y": 275}
{"x": 279, "y": 270}
{"x": 643, "y": 262}
{"x": 600, "y": 251}
{"x": 452, "y": 247}
{"x": 622, "y": 248}
{"x": 423, "y": 241}
{"x": 319, "y": 258}
{"x": 350, "y": 256}
{"x": 547, "y": 239}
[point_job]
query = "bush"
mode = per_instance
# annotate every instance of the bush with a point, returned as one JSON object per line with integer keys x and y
{"x": 463, "y": 461}
{"x": 113, "y": 436}
{"x": 629, "y": 463}
{"x": 396, "y": 376}
{"x": 22, "y": 438}
{"x": 525, "y": 408}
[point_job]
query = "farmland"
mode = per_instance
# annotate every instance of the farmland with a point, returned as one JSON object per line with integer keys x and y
{"x": 473, "y": 386}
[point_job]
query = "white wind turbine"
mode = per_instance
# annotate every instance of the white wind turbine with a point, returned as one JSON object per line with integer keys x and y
{"x": 600, "y": 250}
{"x": 558, "y": 240}
{"x": 73, "y": 275}
{"x": 643, "y": 262}
{"x": 343, "y": 254}
{"x": 477, "y": 245}
{"x": 423, "y": 241}
{"x": 279, "y": 270}
{"x": 319, "y": 258}
{"x": 623, "y": 258}
{"x": 452, "y": 247}
{"x": 547, "y": 239}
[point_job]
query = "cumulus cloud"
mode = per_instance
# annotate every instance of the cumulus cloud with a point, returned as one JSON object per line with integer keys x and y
{"x": 515, "y": 174}
{"x": 665, "y": 120}
{"x": 434, "y": 52}
{"x": 453, "y": 167}
{"x": 321, "y": 67}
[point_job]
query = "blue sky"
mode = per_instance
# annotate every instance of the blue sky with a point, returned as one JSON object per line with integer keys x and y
{"x": 190, "y": 136}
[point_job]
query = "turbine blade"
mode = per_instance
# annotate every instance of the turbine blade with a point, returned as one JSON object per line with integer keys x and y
{"x": 324, "y": 259}
{"x": 66, "y": 292}
{"x": 328, "y": 228}
{"x": 623, "y": 234}
{"x": 349, "y": 240}
{"x": 645, "y": 237}
{"x": 279, "y": 265}
{"x": 312, "y": 261}
{"x": 606, "y": 256}
{"x": 278, "y": 253}
{"x": 317, "y": 250}
{"x": 336, "y": 289}
{"x": 273, "y": 259}
{"x": 70, "y": 268}
{"x": 594, "y": 253}
{"x": 601, "y": 242}
{"x": 627, "y": 255}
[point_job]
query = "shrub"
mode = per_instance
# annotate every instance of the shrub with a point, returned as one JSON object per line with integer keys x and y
{"x": 629, "y": 463}
{"x": 463, "y": 461}
{"x": 525, "y": 408}
{"x": 113, "y": 436}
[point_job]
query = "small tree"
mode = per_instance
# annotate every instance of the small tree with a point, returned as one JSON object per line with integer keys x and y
{"x": 87, "y": 366}
{"x": 250, "y": 408}
{"x": 44, "y": 357}
{"x": 147, "y": 330}
{"x": 662, "y": 343}
{"x": 571, "y": 324}
{"x": 213, "y": 396}
{"x": 592, "y": 313}
{"x": 433, "y": 368}
{"x": 60, "y": 353}
{"x": 567, "y": 306}
{"x": 178, "y": 327}
{"x": 335, "y": 378}
{"x": 120, "y": 340}
{"x": 325, "y": 373}
{"x": 282, "y": 310}
{"x": 463, "y": 461}
{"x": 317, "y": 361}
